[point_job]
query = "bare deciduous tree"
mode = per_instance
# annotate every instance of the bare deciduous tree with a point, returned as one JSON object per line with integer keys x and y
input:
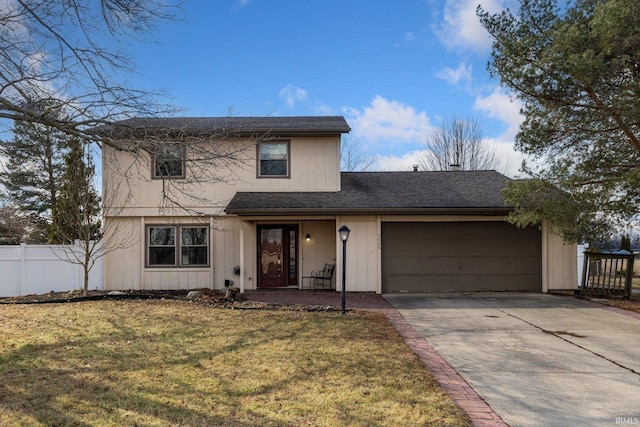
{"x": 67, "y": 55}
{"x": 458, "y": 145}
{"x": 14, "y": 226}
{"x": 66, "y": 52}
{"x": 353, "y": 158}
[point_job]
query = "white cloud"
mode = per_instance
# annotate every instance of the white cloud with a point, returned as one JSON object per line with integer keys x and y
{"x": 462, "y": 74}
{"x": 404, "y": 162}
{"x": 509, "y": 159}
{"x": 499, "y": 105}
{"x": 324, "y": 109}
{"x": 391, "y": 121}
{"x": 461, "y": 27}
{"x": 292, "y": 94}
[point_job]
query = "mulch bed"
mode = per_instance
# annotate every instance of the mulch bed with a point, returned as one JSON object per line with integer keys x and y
{"x": 212, "y": 298}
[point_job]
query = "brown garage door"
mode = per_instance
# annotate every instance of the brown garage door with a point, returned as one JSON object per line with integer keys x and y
{"x": 460, "y": 256}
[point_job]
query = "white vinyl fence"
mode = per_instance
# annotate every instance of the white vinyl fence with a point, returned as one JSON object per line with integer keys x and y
{"x": 38, "y": 269}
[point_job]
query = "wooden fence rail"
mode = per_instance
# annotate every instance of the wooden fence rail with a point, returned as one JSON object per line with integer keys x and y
{"x": 607, "y": 273}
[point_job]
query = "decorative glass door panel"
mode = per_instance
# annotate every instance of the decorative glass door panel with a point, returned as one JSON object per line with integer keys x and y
{"x": 277, "y": 256}
{"x": 293, "y": 259}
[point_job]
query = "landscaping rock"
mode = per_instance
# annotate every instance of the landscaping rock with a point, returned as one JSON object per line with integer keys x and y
{"x": 194, "y": 295}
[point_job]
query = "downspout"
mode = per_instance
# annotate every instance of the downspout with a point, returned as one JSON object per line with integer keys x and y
{"x": 242, "y": 263}
{"x": 379, "y": 255}
{"x": 545, "y": 258}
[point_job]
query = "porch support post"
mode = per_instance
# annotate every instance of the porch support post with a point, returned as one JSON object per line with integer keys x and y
{"x": 242, "y": 265}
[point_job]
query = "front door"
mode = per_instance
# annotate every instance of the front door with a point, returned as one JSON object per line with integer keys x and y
{"x": 277, "y": 256}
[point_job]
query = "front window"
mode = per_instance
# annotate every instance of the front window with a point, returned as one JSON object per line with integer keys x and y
{"x": 162, "y": 246}
{"x": 273, "y": 159}
{"x": 190, "y": 242}
{"x": 168, "y": 161}
{"x": 194, "y": 248}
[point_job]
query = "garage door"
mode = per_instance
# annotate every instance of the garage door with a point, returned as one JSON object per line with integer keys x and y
{"x": 460, "y": 256}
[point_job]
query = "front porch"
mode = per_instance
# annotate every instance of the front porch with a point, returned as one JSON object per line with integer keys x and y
{"x": 281, "y": 254}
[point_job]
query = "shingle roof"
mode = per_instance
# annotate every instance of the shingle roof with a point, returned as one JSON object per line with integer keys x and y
{"x": 307, "y": 125}
{"x": 476, "y": 192}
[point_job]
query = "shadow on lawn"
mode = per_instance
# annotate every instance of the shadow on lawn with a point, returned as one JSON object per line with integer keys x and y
{"x": 130, "y": 377}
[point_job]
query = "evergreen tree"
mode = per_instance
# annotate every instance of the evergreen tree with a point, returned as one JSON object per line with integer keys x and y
{"x": 576, "y": 68}
{"x": 34, "y": 167}
{"x": 76, "y": 215}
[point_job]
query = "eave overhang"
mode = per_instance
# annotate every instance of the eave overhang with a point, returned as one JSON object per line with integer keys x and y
{"x": 257, "y": 212}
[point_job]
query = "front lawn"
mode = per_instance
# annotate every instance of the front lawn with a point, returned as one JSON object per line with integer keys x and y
{"x": 172, "y": 363}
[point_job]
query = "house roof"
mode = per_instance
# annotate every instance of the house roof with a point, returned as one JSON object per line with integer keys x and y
{"x": 459, "y": 192}
{"x": 227, "y": 126}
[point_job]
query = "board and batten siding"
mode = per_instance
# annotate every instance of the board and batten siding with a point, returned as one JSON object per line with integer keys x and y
{"x": 559, "y": 262}
{"x": 123, "y": 263}
{"x": 314, "y": 166}
{"x": 125, "y": 267}
{"x": 320, "y": 250}
{"x": 133, "y": 200}
{"x": 363, "y": 259}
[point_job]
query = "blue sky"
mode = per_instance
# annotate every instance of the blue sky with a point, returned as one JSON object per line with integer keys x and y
{"x": 393, "y": 69}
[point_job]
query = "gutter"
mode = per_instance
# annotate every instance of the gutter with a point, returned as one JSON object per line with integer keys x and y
{"x": 368, "y": 211}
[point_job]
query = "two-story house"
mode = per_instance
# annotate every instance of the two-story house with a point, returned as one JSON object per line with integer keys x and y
{"x": 194, "y": 202}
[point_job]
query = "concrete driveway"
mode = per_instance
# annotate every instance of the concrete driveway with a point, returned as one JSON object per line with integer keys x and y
{"x": 536, "y": 359}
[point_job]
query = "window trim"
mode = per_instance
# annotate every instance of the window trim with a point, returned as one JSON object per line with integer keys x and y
{"x": 287, "y": 144}
{"x": 178, "y": 245}
{"x": 154, "y": 160}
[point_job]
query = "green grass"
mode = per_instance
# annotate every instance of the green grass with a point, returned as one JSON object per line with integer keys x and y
{"x": 172, "y": 363}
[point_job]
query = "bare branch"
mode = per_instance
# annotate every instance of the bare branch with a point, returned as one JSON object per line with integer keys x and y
{"x": 353, "y": 157}
{"x": 458, "y": 144}
{"x": 64, "y": 50}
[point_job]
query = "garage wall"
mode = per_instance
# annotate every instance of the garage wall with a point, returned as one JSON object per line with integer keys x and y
{"x": 460, "y": 256}
{"x": 560, "y": 263}
{"x": 362, "y": 254}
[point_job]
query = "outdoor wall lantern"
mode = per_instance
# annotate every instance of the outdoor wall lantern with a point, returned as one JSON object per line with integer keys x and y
{"x": 308, "y": 237}
{"x": 344, "y": 236}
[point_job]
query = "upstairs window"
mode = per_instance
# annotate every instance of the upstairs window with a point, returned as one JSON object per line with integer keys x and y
{"x": 178, "y": 246}
{"x": 273, "y": 159}
{"x": 168, "y": 161}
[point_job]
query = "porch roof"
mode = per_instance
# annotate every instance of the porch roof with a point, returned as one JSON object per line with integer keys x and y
{"x": 451, "y": 192}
